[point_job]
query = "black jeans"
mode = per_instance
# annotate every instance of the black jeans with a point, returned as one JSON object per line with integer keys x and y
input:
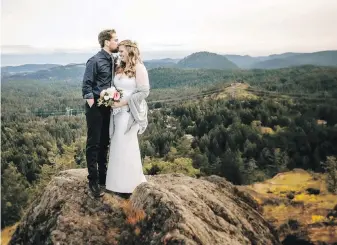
{"x": 98, "y": 120}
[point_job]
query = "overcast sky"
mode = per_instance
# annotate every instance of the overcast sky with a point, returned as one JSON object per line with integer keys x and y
{"x": 254, "y": 27}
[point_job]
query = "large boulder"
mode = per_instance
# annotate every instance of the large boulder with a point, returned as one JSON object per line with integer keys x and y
{"x": 168, "y": 209}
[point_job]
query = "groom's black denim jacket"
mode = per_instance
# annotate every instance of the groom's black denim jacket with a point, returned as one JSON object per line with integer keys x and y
{"x": 98, "y": 74}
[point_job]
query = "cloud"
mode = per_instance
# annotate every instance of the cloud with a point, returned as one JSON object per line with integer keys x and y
{"x": 245, "y": 27}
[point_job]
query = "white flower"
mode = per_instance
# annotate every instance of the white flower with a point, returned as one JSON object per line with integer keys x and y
{"x": 111, "y": 90}
{"x": 106, "y": 97}
{"x": 102, "y": 93}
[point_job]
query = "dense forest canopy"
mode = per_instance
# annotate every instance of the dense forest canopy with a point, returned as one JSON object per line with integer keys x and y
{"x": 275, "y": 120}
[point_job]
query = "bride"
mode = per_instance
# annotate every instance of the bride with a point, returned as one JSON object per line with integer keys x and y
{"x": 128, "y": 118}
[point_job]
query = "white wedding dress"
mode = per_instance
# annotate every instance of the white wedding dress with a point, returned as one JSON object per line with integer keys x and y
{"x": 124, "y": 171}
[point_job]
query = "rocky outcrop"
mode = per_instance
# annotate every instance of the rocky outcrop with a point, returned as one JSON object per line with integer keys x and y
{"x": 168, "y": 209}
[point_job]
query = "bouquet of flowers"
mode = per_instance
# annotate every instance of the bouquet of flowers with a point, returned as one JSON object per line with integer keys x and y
{"x": 109, "y": 96}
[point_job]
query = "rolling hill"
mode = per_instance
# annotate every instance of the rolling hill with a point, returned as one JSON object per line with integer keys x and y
{"x": 244, "y": 61}
{"x": 323, "y": 58}
{"x": 209, "y": 68}
{"x": 157, "y": 63}
{"x": 302, "y": 79}
{"x": 207, "y": 60}
{"x": 67, "y": 72}
{"x": 249, "y": 62}
{"x": 27, "y": 68}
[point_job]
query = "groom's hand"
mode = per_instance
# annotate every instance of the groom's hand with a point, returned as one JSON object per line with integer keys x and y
{"x": 90, "y": 102}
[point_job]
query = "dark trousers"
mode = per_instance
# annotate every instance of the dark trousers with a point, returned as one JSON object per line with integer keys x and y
{"x": 98, "y": 120}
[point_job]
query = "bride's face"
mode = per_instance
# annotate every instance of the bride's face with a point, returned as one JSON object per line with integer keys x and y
{"x": 123, "y": 53}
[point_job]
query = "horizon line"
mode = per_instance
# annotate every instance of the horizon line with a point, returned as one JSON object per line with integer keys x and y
{"x": 86, "y": 51}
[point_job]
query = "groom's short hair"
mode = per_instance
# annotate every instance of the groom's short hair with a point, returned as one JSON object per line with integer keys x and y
{"x": 105, "y": 35}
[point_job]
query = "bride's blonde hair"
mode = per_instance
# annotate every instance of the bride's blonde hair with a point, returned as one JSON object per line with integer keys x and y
{"x": 129, "y": 67}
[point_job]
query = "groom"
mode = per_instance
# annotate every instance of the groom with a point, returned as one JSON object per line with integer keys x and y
{"x": 98, "y": 75}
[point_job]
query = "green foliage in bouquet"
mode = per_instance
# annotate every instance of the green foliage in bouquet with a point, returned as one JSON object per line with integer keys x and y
{"x": 109, "y": 96}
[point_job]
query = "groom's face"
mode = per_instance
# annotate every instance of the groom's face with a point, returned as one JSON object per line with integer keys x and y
{"x": 113, "y": 43}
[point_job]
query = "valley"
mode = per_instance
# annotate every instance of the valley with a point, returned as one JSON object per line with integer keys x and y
{"x": 247, "y": 126}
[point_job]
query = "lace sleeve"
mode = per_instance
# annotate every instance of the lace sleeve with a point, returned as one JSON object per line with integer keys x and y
{"x": 142, "y": 77}
{"x": 143, "y": 84}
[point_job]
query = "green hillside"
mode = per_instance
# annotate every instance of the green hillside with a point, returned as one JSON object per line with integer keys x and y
{"x": 207, "y": 60}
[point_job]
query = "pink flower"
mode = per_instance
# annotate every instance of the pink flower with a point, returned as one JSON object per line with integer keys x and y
{"x": 111, "y": 91}
{"x": 117, "y": 96}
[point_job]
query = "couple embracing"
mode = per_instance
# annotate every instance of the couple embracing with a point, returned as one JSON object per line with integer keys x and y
{"x": 112, "y": 147}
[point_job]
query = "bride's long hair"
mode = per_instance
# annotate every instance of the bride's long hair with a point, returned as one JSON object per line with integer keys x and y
{"x": 129, "y": 67}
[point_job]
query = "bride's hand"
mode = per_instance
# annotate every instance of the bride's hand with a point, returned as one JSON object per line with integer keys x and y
{"x": 119, "y": 104}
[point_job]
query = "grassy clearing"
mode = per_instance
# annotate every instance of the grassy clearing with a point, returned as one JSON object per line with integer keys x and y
{"x": 285, "y": 197}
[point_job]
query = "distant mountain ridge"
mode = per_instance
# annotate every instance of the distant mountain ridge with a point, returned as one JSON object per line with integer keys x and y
{"x": 53, "y": 58}
{"x": 275, "y": 61}
{"x": 157, "y": 63}
{"x": 198, "y": 60}
{"x": 207, "y": 60}
{"x": 26, "y": 68}
{"x": 244, "y": 61}
{"x": 59, "y": 72}
{"x": 165, "y": 60}
{"x": 323, "y": 58}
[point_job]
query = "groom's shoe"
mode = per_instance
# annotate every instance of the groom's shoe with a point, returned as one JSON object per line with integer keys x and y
{"x": 95, "y": 189}
{"x": 102, "y": 185}
{"x": 123, "y": 195}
